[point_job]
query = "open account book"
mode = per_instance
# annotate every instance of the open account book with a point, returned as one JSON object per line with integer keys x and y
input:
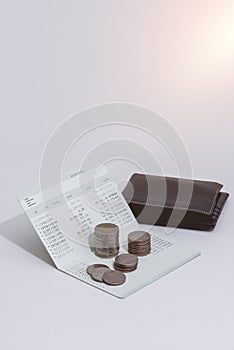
{"x": 64, "y": 218}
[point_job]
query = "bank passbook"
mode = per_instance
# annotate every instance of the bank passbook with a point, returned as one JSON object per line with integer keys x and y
{"x": 64, "y": 217}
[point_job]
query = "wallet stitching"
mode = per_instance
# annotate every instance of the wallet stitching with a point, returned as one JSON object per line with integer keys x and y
{"x": 188, "y": 209}
{"x": 214, "y": 200}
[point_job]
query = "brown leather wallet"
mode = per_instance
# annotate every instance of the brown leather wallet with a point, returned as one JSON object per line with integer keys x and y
{"x": 175, "y": 202}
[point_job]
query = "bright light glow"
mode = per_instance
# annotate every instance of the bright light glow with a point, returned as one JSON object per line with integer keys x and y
{"x": 218, "y": 50}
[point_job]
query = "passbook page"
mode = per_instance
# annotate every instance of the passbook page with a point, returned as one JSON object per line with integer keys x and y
{"x": 65, "y": 216}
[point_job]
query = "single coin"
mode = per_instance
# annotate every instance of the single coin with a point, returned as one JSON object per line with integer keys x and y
{"x": 114, "y": 278}
{"x": 98, "y": 273}
{"x": 91, "y": 268}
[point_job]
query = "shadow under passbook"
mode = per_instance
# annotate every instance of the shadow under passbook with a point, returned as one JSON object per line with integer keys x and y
{"x": 19, "y": 231}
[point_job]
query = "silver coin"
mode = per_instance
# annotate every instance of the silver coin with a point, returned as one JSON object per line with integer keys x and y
{"x": 114, "y": 278}
{"x": 91, "y": 268}
{"x": 98, "y": 273}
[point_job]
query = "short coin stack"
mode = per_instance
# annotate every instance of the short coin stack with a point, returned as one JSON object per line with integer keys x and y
{"x": 139, "y": 243}
{"x": 106, "y": 240}
{"x": 102, "y": 273}
{"x": 126, "y": 262}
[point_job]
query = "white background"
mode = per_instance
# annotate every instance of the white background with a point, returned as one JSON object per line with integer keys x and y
{"x": 58, "y": 57}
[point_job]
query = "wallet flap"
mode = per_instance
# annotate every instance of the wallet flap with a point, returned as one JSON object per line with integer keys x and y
{"x": 169, "y": 192}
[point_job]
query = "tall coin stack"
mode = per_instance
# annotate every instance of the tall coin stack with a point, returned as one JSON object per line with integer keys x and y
{"x": 139, "y": 243}
{"x": 106, "y": 240}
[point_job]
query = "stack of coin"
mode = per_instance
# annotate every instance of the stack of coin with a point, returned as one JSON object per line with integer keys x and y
{"x": 126, "y": 262}
{"x": 106, "y": 240}
{"x": 102, "y": 273}
{"x": 139, "y": 243}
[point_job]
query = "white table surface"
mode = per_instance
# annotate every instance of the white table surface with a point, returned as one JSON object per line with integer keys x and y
{"x": 58, "y": 57}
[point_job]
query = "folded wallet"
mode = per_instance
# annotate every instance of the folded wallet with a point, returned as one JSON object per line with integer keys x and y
{"x": 175, "y": 202}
